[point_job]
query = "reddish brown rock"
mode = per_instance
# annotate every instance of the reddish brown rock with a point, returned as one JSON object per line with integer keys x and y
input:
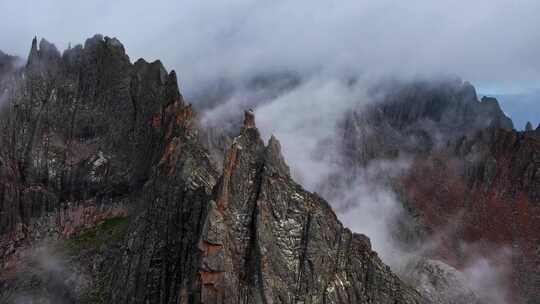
{"x": 483, "y": 201}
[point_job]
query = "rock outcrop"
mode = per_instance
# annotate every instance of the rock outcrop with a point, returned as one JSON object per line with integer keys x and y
{"x": 425, "y": 121}
{"x": 528, "y": 126}
{"x": 438, "y": 282}
{"x": 91, "y": 142}
{"x": 258, "y": 238}
{"x": 78, "y": 127}
{"x": 104, "y": 157}
{"x": 483, "y": 192}
{"x": 472, "y": 186}
{"x": 412, "y": 118}
{"x": 80, "y": 132}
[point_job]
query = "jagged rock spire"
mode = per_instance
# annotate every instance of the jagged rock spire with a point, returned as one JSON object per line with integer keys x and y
{"x": 172, "y": 91}
{"x": 528, "y": 126}
{"x": 43, "y": 58}
{"x": 249, "y": 119}
{"x": 34, "y": 54}
{"x": 280, "y": 241}
{"x": 274, "y": 160}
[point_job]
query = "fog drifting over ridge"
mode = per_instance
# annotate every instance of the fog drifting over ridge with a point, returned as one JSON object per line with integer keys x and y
{"x": 492, "y": 43}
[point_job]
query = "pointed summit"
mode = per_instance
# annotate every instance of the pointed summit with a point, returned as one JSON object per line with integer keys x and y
{"x": 274, "y": 160}
{"x": 34, "y": 44}
{"x": 271, "y": 223}
{"x": 33, "y": 56}
{"x": 249, "y": 119}
{"x": 44, "y": 57}
{"x": 249, "y": 134}
{"x": 172, "y": 92}
{"x": 528, "y": 126}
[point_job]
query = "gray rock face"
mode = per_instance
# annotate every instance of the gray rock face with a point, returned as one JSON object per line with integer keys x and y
{"x": 285, "y": 244}
{"x": 79, "y": 125}
{"x": 87, "y": 130}
{"x": 259, "y": 238}
{"x": 80, "y": 132}
{"x": 160, "y": 259}
{"x": 438, "y": 282}
{"x": 415, "y": 118}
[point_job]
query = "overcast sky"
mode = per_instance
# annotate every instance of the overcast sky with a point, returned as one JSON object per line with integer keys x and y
{"x": 495, "y": 44}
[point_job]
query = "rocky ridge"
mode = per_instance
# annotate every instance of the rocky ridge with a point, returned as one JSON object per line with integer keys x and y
{"x": 390, "y": 127}
{"x": 450, "y": 129}
{"x": 259, "y": 238}
{"x": 80, "y": 131}
{"x": 489, "y": 205}
{"x": 89, "y": 137}
{"x": 471, "y": 189}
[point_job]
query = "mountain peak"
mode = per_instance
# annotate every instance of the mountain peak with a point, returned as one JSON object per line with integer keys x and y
{"x": 281, "y": 241}
{"x": 274, "y": 160}
{"x": 34, "y": 52}
{"x": 43, "y": 57}
{"x": 249, "y": 119}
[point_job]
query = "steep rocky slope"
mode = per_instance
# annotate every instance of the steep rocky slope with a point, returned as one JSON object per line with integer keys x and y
{"x": 409, "y": 122}
{"x": 439, "y": 282}
{"x": 76, "y": 134}
{"x": 108, "y": 192}
{"x": 417, "y": 117}
{"x": 107, "y": 195}
{"x": 77, "y": 138}
{"x": 259, "y": 238}
{"x": 483, "y": 192}
{"x": 472, "y": 185}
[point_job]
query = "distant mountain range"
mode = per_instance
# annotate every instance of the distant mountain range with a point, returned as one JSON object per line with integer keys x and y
{"x": 522, "y": 108}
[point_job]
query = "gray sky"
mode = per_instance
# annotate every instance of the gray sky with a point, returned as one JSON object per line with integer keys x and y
{"x": 522, "y": 108}
{"x": 493, "y": 43}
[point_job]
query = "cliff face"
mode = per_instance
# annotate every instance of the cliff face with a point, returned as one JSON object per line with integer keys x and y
{"x": 100, "y": 160}
{"x": 108, "y": 194}
{"x": 412, "y": 118}
{"x": 472, "y": 186}
{"x": 258, "y": 238}
{"x": 76, "y": 133}
{"x": 486, "y": 189}
{"x": 80, "y": 132}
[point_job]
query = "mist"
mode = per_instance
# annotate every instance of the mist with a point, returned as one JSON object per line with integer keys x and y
{"x": 48, "y": 276}
{"x": 305, "y": 119}
{"x": 492, "y": 43}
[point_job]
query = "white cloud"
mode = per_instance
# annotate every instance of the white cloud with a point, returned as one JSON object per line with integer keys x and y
{"x": 489, "y": 42}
